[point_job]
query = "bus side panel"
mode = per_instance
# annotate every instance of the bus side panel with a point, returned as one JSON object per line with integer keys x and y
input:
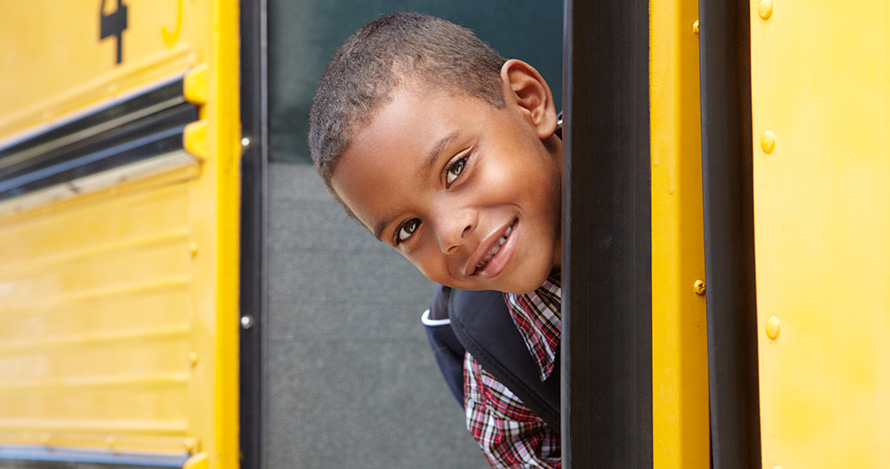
{"x": 56, "y": 62}
{"x": 821, "y": 135}
{"x": 96, "y": 301}
{"x": 120, "y": 301}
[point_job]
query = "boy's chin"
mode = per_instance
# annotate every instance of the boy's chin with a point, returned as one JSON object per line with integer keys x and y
{"x": 529, "y": 282}
{"x": 523, "y": 288}
{"x": 519, "y": 286}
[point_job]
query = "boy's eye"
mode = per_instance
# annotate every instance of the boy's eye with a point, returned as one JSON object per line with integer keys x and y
{"x": 453, "y": 171}
{"x": 406, "y": 230}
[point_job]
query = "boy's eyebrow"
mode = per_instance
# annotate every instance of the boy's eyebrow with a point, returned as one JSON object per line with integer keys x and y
{"x": 378, "y": 229}
{"x": 435, "y": 149}
{"x": 425, "y": 169}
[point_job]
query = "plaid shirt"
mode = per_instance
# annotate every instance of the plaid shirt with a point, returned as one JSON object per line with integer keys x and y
{"x": 508, "y": 432}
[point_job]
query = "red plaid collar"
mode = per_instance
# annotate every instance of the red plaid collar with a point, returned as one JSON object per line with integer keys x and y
{"x": 537, "y": 316}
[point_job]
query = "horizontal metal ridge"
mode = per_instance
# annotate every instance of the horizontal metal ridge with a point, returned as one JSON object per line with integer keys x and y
{"x": 21, "y": 456}
{"x": 136, "y": 129}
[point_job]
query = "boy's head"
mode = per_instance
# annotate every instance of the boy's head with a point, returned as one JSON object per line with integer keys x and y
{"x": 443, "y": 150}
{"x": 384, "y": 55}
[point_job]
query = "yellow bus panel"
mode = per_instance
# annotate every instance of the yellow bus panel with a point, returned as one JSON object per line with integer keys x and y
{"x": 56, "y": 62}
{"x": 97, "y": 324}
{"x": 119, "y": 290}
{"x": 821, "y": 138}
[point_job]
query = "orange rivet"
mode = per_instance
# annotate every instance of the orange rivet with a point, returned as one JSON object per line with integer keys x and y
{"x": 699, "y": 287}
{"x": 695, "y": 28}
{"x": 773, "y": 327}
{"x": 768, "y": 141}
{"x": 765, "y": 9}
{"x": 191, "y": 445}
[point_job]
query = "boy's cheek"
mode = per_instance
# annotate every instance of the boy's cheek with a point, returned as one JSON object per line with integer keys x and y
{"x": 415, "y": 261}
{"x": 431, "y": 270}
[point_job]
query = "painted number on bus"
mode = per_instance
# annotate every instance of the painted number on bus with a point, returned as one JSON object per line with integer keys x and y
{"x": 113, "y": 24}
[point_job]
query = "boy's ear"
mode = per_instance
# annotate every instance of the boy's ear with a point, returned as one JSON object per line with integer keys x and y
{"x": 524, "y": 85}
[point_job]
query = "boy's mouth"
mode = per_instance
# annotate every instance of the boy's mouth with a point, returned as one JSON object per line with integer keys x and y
{"x": 493, "y": 251}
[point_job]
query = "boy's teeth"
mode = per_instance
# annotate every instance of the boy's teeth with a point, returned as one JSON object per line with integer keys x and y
{"x": 494, "y": 249}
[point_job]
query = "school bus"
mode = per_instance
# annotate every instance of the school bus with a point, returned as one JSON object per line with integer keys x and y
{"x": 178, "y": 290}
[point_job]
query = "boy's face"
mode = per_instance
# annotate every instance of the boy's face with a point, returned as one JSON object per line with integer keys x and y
{"x": 469, "y": 193}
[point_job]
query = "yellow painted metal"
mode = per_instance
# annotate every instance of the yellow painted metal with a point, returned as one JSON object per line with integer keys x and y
{"x": 194, "y": 86}
{"x": 220, "y": 240}
{"x": 679, "y": 333}
{"x": 195, "y": 139}
{"x": 55, "y": 64}
{"x": 95, "y": 301}
{"x": 821, "y": 83}
{"x": 120, "y": 305}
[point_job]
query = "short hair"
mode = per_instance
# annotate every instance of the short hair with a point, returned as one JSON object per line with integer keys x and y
{"x": 384, "y": 54}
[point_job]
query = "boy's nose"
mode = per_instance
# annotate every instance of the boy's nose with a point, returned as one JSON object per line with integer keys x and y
{"x": 453, "y": 230}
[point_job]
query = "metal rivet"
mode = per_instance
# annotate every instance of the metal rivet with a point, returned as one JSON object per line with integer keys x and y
{"x": 765, "y": 9}
{"x": 699, "y": 287}
{"x": 193, "y": 249}
{"x": 695, "y": 28}
{"x": 190, "y": 445}
{"x": 247, "y": 322}
{"x": 773, "y": 327}
{"x": 193, "y": 359}
{"x": 246, "y": 143}
{"x": 768, "y": 141}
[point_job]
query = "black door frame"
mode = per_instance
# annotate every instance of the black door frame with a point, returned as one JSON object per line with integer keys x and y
{"x": 607, "y": 267}
{"x": 727, "y": 185}
{"x": 254, "y": 191}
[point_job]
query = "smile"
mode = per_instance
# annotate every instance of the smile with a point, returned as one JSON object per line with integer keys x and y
{"x": 483, "y": 265}
{"x": 494, "y": 249}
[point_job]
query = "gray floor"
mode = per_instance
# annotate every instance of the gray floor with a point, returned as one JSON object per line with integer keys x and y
{"x": 351, "y": 381}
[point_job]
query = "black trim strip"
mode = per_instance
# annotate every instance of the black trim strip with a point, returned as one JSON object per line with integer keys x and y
{"x": 727, "y": 184}
{"x": 166, "y": 95}
{"x": 254, "y": 190}
{"x": 92, "y": 163}
{"x": 139, "y": 128}
{"x": 607, "y": 304}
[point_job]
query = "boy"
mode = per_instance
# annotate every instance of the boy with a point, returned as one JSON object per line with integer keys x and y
{"x": 449, "y": 153}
